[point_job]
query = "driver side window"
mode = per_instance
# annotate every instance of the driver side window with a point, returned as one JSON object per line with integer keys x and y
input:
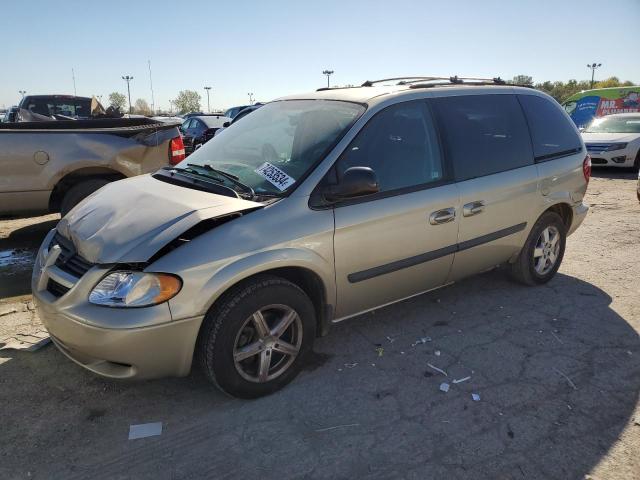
{"x": 400, "y": 145}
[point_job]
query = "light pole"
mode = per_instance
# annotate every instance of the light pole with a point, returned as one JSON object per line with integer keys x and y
{"x": 22, "y": 92}
{"x": 250, "y": 98}
{"x": 208, "y": 106}
{"x": 328, "y": 73}
{"x": 127, "y": 79}
{"x": 593, "y": 67}
{"x": 171, "y": 107}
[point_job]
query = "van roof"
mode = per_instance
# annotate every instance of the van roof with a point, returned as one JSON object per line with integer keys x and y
{"x": 371, "y": 90}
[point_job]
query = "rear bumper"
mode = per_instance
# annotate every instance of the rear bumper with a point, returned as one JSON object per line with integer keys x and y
{"x": 579, "y": 214}
{"x": 147, "y": 352}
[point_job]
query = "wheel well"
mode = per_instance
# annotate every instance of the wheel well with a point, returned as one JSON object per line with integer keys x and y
{"x": 311, "y": 284}
{"x": 75, "y": 177}
{"x": 565, "y": 212}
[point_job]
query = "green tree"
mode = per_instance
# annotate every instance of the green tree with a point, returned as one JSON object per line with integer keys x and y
{"x": 141, "y": 107}
{"x": 117, "y": 100}
{"x": 522, "y": 80}
{"x": 187, "y": 101}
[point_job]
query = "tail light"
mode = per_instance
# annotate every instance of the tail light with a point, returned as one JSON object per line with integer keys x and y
{"x": 176, "y": 151}
{"x": 586, "y": 168}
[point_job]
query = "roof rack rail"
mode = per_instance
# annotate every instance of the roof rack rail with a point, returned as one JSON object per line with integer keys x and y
{"x": 455, "y": 80}
{"x": 401, "y": 80}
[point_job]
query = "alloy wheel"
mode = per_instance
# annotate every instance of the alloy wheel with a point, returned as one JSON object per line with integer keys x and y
{"x": 545, "y": 253}
{"x": 267, "y": 343}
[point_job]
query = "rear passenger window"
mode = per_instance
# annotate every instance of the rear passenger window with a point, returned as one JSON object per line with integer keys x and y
{"x": 400, "y": 145}
{"x": 553, "y": 135}
{"x": 483, "y": 134}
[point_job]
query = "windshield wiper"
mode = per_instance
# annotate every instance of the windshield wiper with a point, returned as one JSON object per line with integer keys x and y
{"x": 229, "y": 176}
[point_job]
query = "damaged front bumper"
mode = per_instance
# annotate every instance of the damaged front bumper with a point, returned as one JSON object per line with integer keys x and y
{"x": 113, "y": 342}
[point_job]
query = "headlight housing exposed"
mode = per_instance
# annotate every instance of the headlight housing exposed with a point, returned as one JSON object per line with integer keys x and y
{"x": 134, "y": 289}
{"x": 616, "y": 146}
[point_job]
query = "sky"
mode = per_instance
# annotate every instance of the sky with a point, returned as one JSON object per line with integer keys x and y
{"x": 279, "y": 47}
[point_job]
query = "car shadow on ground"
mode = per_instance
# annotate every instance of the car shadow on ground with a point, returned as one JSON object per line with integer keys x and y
{"x": 557, "y": 371}
{"x": 614, "y": 172}
{"x": 17, "y": 254}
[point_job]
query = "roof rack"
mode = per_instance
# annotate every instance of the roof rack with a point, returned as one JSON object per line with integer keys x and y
{"x": 423, "y": 82}
{"x": 401, "y": 80}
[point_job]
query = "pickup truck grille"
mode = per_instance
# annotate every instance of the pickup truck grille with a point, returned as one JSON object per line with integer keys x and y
{"x": 69, "y": 260}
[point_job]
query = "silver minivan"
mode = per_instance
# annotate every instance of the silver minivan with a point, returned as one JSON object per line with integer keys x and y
{"x": 313, "y": 209}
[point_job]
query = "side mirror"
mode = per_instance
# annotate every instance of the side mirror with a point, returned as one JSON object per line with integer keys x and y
{"x": 356, "y": 182}
{"x": 226, "y": 124}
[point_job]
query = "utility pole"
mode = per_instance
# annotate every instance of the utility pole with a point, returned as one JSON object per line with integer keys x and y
{"x": 22, "y": 92}
{"x": 250, "y": 98}
{"x": 153, "y": 103}
{"x": 208, "y": 106}
{"x": 593, "y": 67}
{"x": 127, "y": 79}
{"x": 73, "y": 76}
{"x": 328, "y": 73}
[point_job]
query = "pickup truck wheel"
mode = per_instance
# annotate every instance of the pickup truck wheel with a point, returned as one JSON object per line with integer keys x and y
{"x": 543, "y": 251}
{"x": 79, "y": 192}
{"x": 254, "y": 341}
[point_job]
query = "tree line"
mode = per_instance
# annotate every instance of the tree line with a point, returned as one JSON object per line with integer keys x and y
{"x": 563, "y": 90}
{"x": 189, "y": 100}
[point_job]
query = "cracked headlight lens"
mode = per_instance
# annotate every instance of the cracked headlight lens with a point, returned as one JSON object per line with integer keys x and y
{"x": 135, "y": 289}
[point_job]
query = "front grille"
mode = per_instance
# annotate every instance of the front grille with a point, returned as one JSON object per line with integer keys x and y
{"x": 598, "y": 161}
{"x": 55, "y": 289}
{"x": 69, "y": 260}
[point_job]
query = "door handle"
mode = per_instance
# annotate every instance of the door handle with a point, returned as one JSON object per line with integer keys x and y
{"x": 445, "y": 215}
{"x": 473, "y": 208}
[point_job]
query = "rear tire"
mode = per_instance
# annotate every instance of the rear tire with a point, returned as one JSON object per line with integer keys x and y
{"x": 79, "y": 192}
{"x": 240, "y": 347}
{"x": 543, "y": 251}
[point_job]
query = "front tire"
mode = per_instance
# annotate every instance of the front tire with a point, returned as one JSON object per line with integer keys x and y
{"x": 254, "y": 341}
{"x": 543, "y": 251}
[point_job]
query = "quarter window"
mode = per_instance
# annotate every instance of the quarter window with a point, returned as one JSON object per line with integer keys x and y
{"x": 483, "y": 134}
{"x": 400, "y": 145}
{"x": 552, "y": 133}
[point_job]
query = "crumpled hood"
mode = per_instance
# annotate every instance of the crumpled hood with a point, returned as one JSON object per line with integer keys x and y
{"x": 130, "y": 220}
{"x": 608, "y": 137}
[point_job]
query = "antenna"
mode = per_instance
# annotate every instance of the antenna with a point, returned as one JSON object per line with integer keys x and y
{"x": 73, "y": 77}
{"x": 153, "y": 103}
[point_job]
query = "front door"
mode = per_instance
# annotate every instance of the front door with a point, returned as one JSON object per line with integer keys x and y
{"x": 400, "y": 241}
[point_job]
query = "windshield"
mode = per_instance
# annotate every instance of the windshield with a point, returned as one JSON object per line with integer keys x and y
{"x": 615, "y": 125}
{"x": 275, "y": 146}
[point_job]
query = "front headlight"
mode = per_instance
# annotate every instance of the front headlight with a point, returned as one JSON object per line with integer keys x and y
{"x": 616, "y": 146}
{"x": 135, "y": 289}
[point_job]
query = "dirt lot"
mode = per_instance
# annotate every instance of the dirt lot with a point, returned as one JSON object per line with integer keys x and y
{"x": 557, "y": 369}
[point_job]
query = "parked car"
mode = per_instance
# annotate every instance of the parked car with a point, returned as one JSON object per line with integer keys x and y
{"x": 243, "y": 113}
{"x": 614, "y": 140}
{"x": 313, "y": 209}
{"x": 233, "y": 111}
{"x": 196, "y": 131}
{"x": 638, "y": 189}
{"x": 10, "y": 115}
{"x": 51, "y": 166}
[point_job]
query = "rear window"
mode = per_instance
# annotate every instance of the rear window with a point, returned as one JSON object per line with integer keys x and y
{"x": 483, "y": 134}
{"x": 552, "y": 133}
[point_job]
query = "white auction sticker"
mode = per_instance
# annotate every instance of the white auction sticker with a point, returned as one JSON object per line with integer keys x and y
{"x": 274, "y": 175}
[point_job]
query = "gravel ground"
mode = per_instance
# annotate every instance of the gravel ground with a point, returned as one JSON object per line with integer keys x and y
{"x": 557, "y": 369}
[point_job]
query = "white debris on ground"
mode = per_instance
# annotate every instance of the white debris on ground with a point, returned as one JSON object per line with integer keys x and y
{"x": 145, "y": 430}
